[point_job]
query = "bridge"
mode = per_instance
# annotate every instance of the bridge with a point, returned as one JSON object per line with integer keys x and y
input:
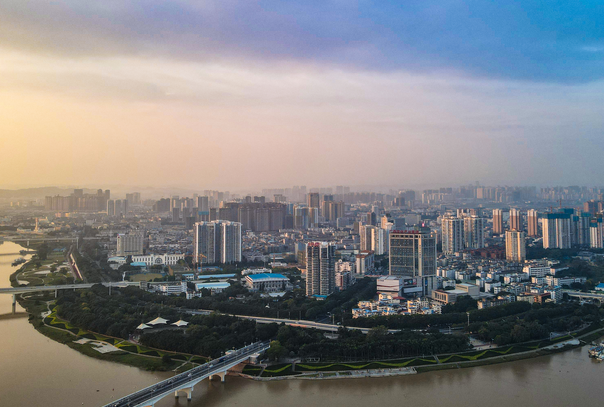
{"x": 26, "y": 239}
{"x": 42, "y": 288}
{"x": 583, "y": 296}
{"x": 185, "y": 382}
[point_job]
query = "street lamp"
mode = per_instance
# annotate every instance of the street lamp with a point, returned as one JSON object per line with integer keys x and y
{"x": 468, "y": 319}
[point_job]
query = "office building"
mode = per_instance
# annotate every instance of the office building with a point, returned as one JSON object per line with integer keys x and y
{"x": 320, "y": 269}
{"x": 515, "y": 246}
{"x": 130, "y": 244}
{"x": 497, "y": 221}
{"x": 452, "y": 234}
{"x": 413, "y": 255}
{"x": 217, "y": 242}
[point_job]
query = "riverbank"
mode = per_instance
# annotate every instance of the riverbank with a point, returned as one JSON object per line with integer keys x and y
{"x": 88, "y": 343}
{"x": 423, "y": 365}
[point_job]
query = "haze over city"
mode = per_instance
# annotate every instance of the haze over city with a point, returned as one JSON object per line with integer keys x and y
{"x": 301, "y": 203}
{"x": 240, "y": 94}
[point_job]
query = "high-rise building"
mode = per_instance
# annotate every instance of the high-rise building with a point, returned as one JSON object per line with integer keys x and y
{"x": 556, "y": 231}
{"x": 314, "y": 200}
{"x": 373, "y": 239}
{"x": 120, "y": 208}
{"x": 134, "y": 198}
{"x": 515, "y": 222}
{"x": 129, "y": 244}
{"x": 163, "y": 205}
{"x": 596, "y": 233}
{"x": 217, "y": 242}
{"x": 583, "y": 229}
{"x": 413, "y": 255}
{"x": 452, "y": 234}
{"x": 473, "y": 232}
{"x": 515, "y": 246}
{"x": 497, "y": 221}
{"x": 203, "y": 204}
{"x": 320, "y": 269}
{"x": 111, "y": 207}
{"x": 532, "y": 220}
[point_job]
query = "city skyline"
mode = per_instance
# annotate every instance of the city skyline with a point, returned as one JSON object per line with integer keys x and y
{"x": 242, "y": 95}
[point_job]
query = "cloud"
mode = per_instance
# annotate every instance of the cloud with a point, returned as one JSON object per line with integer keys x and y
{"x": 522, "y": 40}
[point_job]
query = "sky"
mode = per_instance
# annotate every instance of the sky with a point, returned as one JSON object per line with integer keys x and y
{"x": 256, "y": 94}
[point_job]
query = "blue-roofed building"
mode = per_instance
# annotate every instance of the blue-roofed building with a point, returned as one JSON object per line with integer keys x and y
{"x": 268, "y": 282}
{"x": 216, "y": 276}
{"x": 600, "y": 287}
{"x": 139, "y": 264}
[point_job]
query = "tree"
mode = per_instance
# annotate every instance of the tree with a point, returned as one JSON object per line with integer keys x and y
{"x": 43, "y": 251}
{"x": 276, "y": 351}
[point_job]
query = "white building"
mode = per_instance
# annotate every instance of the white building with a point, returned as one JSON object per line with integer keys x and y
{"x": 172, "y": 289}
{"x": 345, "y": 266}
{"x": 452, "y": 234}
{"x": 390, "y": 285}
{"x": 158, "y": 259}
{"x": 267, "y": 282}
{"x": 365, "y": 262}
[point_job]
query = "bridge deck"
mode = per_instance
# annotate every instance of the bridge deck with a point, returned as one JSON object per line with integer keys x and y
{"x": 152, "y": 394}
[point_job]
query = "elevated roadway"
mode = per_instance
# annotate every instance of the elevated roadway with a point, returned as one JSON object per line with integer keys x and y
{"x": 291, "y": 322}
{"x": 185, "y": 382}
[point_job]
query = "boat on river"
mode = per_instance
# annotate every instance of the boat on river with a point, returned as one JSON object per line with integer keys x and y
{"x": 597, "y": 351}
{"x": 20, "y": 260}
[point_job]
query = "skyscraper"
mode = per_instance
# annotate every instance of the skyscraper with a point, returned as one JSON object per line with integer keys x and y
{"x": 515, "y": 246}
{"x": 413, "y": 255}
{"x": 497, "y": 221}
{"x": 320, "y": 268}
{"x": 218, "y": 241}
{"x": 452, "y": 234}
{"x": 532, "y": 219}
{"x": 515, "y": 222}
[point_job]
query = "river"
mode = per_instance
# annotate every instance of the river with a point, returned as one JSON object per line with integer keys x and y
{"x": 36, "y": 371}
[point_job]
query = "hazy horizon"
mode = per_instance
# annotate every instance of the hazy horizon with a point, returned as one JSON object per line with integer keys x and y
{"x": 236, "y": 95}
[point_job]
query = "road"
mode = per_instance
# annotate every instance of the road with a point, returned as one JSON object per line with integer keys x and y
{"x": 189, "y": 378}
{"x": 291, "y": 322}
{"x": 39, "y": 288}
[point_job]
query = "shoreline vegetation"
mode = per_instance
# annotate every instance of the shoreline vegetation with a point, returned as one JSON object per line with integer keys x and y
{"x": 45, "y": 321}
{"x": 301, "y": 370}
{"x": 43, "y": 316}
{"x": 160, "y": 360}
